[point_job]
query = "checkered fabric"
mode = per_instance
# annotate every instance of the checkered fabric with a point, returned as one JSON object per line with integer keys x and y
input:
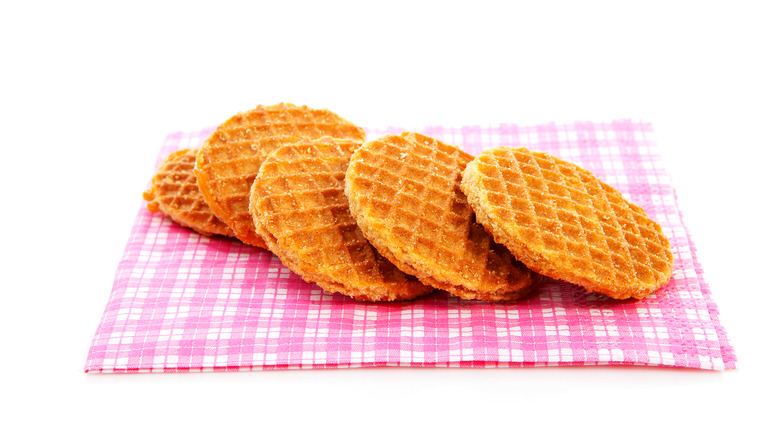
{"x": 185, "y": 302}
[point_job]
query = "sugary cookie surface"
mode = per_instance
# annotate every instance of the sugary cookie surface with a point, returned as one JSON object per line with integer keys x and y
{"x": 300, "y": 209}
{"x": 230, "y": 158}
{"x": 563, "y": 222}
{"x": 174, "y": 192}
{"x": 404, "y": 191}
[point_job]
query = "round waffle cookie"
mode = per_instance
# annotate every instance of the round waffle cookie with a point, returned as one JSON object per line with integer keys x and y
{"x": 563, "y": 222}
{"x": 174, "y": 192}
{"x": 404, "y": 193}
{"x": 229, "y": 159}
{"x": 300, "y": 209}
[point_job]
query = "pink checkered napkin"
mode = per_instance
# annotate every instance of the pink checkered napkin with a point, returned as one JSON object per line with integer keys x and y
{"x": 184, "y": 302}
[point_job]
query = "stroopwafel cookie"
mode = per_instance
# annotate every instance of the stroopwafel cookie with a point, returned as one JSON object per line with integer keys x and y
{"x": 174, "y": 192}
{"x": 300, "y": 210}
{"x": 230, "y": 158}
{"x": 404, "y": 191}
{"x": 563, "y": 222}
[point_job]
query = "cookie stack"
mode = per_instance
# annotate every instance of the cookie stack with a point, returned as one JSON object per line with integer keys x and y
{"x": 400, "y": 216}
{"x": 175, "y": 193}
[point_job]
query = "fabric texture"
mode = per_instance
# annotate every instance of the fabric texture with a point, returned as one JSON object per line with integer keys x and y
{"x": 184, "y": 302}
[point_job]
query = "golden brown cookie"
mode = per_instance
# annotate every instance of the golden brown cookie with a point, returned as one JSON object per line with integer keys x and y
{"x": 300, "y": 209}
{"x": 174, "y": 192}
{"x": 563, "y": 222}
{"x": 404, "y": 191}
{"x": 229, "y": 159}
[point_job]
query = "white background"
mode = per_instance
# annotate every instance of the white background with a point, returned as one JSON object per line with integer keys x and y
{"x": 89, "y": 90}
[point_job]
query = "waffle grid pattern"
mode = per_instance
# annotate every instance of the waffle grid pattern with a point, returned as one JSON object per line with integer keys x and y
{"x": 298, "y": 198}
{"x": 183, "y": 302}
{"x": 175, "y": 192}
{"x": 421, "y": 182}
{"x": 405, "y": 190}
{"x": 230, "y": 159}
{"x": 595, "y": 236}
